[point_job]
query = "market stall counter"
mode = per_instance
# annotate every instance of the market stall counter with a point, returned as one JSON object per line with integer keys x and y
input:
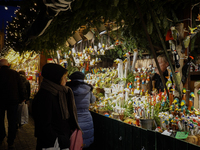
{"x": 111, "y": 134}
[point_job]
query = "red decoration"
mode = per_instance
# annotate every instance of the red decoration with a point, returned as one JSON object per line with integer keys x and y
{"x": 30, "y": 78}
{"x": 169, "y": 35}
{"x": 87, "y": 67}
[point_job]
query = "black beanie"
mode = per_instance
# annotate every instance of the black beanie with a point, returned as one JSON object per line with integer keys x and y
{"x": 53, "y": 72}
{"x": 77, "y": 75}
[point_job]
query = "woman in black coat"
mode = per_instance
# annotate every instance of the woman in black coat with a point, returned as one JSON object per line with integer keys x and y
{"x": 54, "y": 109}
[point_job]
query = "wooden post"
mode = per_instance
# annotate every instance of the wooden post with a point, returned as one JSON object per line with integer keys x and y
{"x": 152, "y": 49}
{"x": 180, "y": 28}
{"x": 165, "y": 50}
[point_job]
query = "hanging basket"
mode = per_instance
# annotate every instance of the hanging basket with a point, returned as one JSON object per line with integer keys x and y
{"x": 101, "y": 28}
{"x": 77, "y": 37}
{"x": 71, "y": 41}
{"x": 89, "y": 35}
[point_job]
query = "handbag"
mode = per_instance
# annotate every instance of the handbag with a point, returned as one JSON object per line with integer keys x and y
{"x": 76, "y": 140}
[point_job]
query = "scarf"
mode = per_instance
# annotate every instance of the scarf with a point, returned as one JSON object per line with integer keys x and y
{"x": 64, "y": 93}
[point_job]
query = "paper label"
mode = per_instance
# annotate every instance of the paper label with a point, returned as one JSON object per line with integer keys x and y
{"x": 166, "y": 133}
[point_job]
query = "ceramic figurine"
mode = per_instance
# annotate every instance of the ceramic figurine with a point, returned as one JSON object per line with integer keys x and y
{"x": 135, "y": 54}
{"x": 120, "y": 67}
{"x": 127, "y": 55}
{"x": 125, "y": 62}
{"x": 191, "y": 101}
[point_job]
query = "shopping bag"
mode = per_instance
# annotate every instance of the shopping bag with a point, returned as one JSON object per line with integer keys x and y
{"x": 56, "y": 146}
{"x": 76, "y": 140}
{"x": 24, "y": 113}
{"x": 19, "y": 111}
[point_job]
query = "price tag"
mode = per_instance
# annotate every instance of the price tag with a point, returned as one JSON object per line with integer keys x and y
{"x": 181, "y": 135}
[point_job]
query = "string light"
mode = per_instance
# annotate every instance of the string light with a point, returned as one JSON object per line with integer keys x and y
{"x": 16, "y": 27}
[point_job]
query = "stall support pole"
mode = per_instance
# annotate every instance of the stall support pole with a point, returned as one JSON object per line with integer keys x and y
{"x": 152, "y": 49}
{"x": 165, "y": 50}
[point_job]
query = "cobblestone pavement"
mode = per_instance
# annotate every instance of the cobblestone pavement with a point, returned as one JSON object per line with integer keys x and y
{"x": 25, "y": 139}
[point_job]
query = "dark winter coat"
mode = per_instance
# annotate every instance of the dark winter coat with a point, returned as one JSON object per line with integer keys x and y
{"x": 26, "y": 87}
{"x": 54, "y": 110}
{"x": 83, "y": 97}
{"x": 158, "y": 82}
{"x": 48, "y": 120}
{"x": 11, "y": 87}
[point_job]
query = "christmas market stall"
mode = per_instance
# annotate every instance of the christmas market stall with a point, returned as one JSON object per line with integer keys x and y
{"x": 116, "y": 44}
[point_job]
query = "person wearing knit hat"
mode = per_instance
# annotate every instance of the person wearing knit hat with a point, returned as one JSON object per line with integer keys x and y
{"x": 83, "y": 97}
{"x": 77, "y": 75}
{"x": 53, "y": 108}
{"x": 53, "y": 72}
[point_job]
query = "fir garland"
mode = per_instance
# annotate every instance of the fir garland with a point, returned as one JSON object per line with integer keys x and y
{"x": 90, "y": 11}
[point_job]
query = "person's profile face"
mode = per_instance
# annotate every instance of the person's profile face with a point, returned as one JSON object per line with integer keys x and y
{"x": 163, "y": 65}
{"x": 64, "y": 80}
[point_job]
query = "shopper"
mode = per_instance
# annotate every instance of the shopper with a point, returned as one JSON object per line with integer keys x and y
{"x": 157, "y": 82}
{"x": 11, "y": 92}
{"x": 26, "y": 84}
{"x": 26, "y": 89}
{"x": 54, "y": 110}
{"x": 83, "y": 97}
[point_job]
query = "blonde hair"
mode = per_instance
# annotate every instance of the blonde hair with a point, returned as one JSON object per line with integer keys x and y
{"x": 163, "y": 57}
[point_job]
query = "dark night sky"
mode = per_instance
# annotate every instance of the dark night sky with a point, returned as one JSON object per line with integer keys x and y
{"x": 5, "y": 15}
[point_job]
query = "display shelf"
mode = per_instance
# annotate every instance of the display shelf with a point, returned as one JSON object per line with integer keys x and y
{"x": 159, "y": 51}
{"x": 195, "y": 73}
{"x": 194, "y": 76}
